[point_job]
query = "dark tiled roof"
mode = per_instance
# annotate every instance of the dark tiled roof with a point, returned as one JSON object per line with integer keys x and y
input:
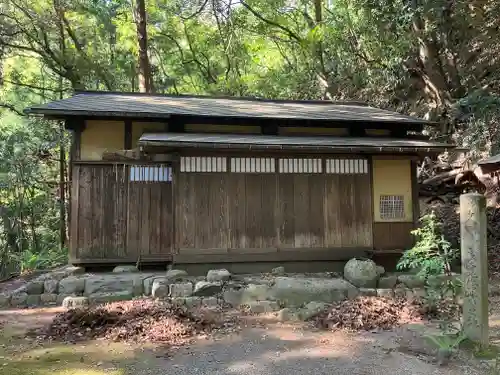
{"x": 281, "y": 142}
{"x": 146, "y": 105}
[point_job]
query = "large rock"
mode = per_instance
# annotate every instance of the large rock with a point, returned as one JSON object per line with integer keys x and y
{"x": 106, "y": 297}
{"x": 119, "y": 282}
{"x": 70, "y": 302}
{"x": 206, "y": 289}
{"x": 362, "y": 273}
{"x": 218, "y": 275}
{"x": 181, "y": 290}
{"x": 34, "y": 287}
{"x": 125, "y": 268}
{"x": 176, "y": 275}
{"x": 148, "y": 283}
{"x": 72, "y": 285}
{"x": 50, "y": 286}
{"x": 292, "y": 291}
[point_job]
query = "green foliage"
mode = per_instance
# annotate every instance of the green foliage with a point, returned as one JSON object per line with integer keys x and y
{"x": 447, "y": 342}
{"x": 432, "y": 253}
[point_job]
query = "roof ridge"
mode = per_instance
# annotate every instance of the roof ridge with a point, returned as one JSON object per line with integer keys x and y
{"x": 235, "y": 98}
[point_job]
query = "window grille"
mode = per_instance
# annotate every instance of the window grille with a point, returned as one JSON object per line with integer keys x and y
{"x": 252, "y": 165}
{"x": 346, "y": 166}
{"x": 392, "y": 207}
{"x": 300, "y": 166}
{"x": 203, "y": 164}
{"x": 150, "y": 173}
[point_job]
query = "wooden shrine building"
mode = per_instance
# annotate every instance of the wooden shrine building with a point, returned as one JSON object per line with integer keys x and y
{"x": 199, "y": 181}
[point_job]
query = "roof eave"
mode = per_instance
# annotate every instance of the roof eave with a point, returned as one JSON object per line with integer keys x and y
{"x": 248, "y": 147}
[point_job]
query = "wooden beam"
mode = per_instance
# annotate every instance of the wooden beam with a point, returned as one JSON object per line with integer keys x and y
{"x": 127, "y": 142}
{"x": 282, "y": 255}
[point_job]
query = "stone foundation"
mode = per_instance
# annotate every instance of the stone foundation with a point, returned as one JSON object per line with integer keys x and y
{"x": 300, "y": 294}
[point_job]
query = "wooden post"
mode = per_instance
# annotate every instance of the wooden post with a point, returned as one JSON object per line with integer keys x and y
{"x": 474, "y": 267}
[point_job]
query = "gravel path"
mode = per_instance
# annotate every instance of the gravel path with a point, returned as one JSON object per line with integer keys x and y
{"x": 285, "y": 351}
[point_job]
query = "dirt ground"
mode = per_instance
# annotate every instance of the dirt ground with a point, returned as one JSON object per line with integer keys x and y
{"x": 262, "y": 347}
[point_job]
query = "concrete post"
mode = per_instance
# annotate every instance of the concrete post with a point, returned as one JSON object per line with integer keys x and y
{"x": 474, "y": 267}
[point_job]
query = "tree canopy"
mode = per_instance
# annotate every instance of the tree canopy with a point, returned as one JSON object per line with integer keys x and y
{"x": 436, "y": 59}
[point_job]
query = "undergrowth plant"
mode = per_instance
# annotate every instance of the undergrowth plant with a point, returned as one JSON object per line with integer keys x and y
{"x": 432, "y": 257}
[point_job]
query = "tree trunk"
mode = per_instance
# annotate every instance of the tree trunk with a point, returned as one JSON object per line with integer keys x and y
{"x": 145, "y": 79}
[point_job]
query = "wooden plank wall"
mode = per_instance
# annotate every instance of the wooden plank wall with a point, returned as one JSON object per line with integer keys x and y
{"x": 114, "y": 219}
{"x": 264, "y": 212}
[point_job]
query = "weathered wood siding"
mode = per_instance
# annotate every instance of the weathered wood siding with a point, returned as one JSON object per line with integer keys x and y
{"x": 264, "y": 212}
{"x": 115, "y": 219}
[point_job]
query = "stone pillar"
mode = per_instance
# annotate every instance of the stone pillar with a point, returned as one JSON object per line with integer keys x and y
{"x": 474, "y": 266}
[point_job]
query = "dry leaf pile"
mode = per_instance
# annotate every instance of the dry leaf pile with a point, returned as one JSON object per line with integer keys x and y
{"x": 141, "y": 320}
{"x": 369, "y": 313}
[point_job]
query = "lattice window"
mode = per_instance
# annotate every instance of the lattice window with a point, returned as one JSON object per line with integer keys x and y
{"x": 346, "y": 166}
{"x": 392, "y": 207}
{"x": 150, "y": 173}
{"x": 252, "y": 165}
{"x": 203, "y": 164}
{"x": 300, "y": 166}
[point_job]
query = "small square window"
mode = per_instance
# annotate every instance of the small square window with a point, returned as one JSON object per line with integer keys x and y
{"x": 392, "y": 207}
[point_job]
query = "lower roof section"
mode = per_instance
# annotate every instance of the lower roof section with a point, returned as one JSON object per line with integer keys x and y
{"x": 276, "y": 143}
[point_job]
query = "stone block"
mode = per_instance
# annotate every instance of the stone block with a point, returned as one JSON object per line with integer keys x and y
{"x": 207, "y": 288}
{"x": 387, "y": 293}
{"x": 293, "y": 291}
{"x": 312, "y": 309}
{"x": 48, "y": 298}
{"x": 210, "y": 302}
{"x": 192, "y": 302}
{"x": 18, "y": 299}
{"x": 287, "y": 314}
{"x": 73, "y": 302}
{"x": 74, "y": 270}
{"x": 147, "y": 283}
{"x": 160, "y": 288}
{"x": 218, "y": 275}
{"x": 4, "y": 300}
{"x": 50, "y": 286}
{"x": 388, "y": 282}
{"x": 400, "y": 293}
{"x": 34, "y": 287}
{"x": 176, "y": 275}
{"x": 33, "y": 300}
{"x": 233, "y": 297}
{"x": 72, "y": 285}
{"x": 368, "y": 292}
{"x": 278, "y": 271}
{"x": 106, "y": 297}
{"x": 260, "y": 307}
{"x": 380, "y": 270}
{"x": 181, "y": 290}
{"x": 411, "y": 281}
{"x": 178, "y": 301}
{"x": 255, "y": 292}
{"x": 118, "y": 282}
{"x": 125, "y": 268}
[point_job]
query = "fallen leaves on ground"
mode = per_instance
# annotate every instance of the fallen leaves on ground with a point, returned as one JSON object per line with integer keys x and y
{"x": 370, "y": 313}
{"x": 143, "y": 320}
